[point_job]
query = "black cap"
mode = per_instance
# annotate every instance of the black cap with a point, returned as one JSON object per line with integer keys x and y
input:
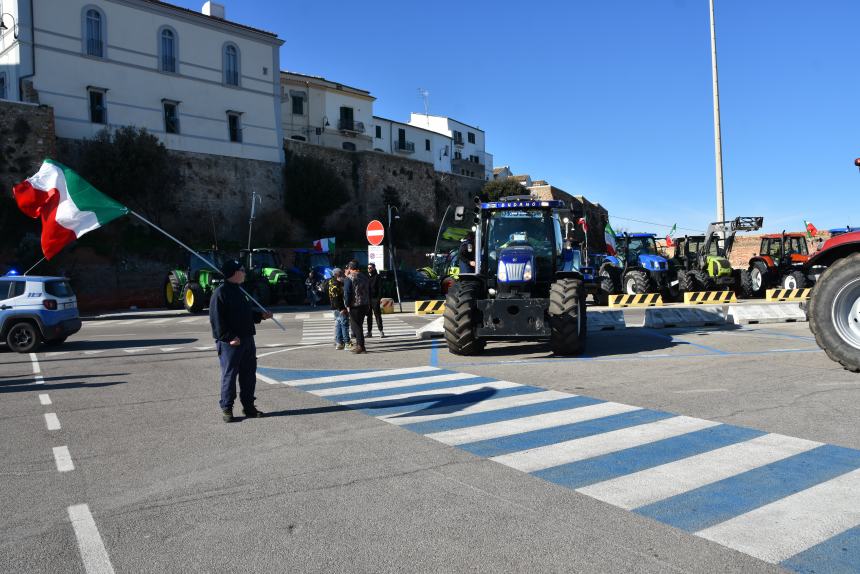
{"x": 230, "y": 267}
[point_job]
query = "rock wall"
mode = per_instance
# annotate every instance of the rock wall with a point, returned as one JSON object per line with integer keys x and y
{"x": 26, "y": 138}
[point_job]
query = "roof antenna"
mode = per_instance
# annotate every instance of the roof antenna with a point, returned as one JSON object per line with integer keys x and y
{"x": 425, "y": 94}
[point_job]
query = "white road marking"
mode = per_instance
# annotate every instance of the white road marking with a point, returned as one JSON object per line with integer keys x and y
{"x": 44, "y": 399}
{"x": 136, "y": 349}
{"x": 698, "y": 391}
{"x": 394, "y": 384}
{"x": 35, "y": 362}
{"x": 52, "y": 422}
{"x": 169, "y": 349}
{"x": 542, "y": 457}
{"x": 63, "y": 458}
{"x": 94, "y": 352}
{"x": 94, "y": 555}
{"x": 482, "y": 407}
{"x": 39, "y": 380}
{"x": 302, "y": 316}
{"x": 209, "y": 348}
{"x": 357, "y": 376}
{"x": 303, "y": 346}
{"x": 56, "y": 353}
{"x": 447, "y": 392}
{"x": 158, "y": 321}
{"x": 191, "y": 320}
{"x": 266, "y": 379}
{"x": 526, "y": 424}
{"x": 771, "y": 532}
{"x": 661, "y": 482}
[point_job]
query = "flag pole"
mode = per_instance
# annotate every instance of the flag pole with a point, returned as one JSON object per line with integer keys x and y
{"x": 34, "y": 265}
{"x": 204, "y": 260}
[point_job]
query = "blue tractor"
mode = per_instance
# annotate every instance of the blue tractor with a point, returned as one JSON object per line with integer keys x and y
{"x": 526, "y": 284}
{"x": 636, "y": 268}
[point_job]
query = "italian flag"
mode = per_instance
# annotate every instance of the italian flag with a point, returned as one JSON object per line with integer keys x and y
{"x": 324, "y": 245}
{"x": 609, "y": 236}
{"x": 669, "y": 242}
{"x": 66, "y": 203}
{"x": 811, "y": 230}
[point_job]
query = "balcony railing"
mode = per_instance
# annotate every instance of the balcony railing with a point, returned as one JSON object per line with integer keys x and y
{"x": 345, "y": 125}
{"x": 458, "y": 142}
{"x": 404, "y": 146}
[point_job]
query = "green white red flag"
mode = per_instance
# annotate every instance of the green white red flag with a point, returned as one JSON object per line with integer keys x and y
{"x": 324, "y": 245}
{"x": 66, "y": 203}
{"x": 609, "y": 236}
{"x": 811, "y": 231}
{"x": 670, "y": 235}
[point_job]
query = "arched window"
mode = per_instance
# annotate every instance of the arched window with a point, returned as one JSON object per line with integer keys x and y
{"x": 94, "y": 33}
{"x": 231, "y": 65}
{"x": 167, "y": 50}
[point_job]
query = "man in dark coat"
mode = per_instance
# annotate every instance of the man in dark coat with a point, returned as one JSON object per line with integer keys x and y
{"x": 232, "y": 319}
{"x": 375, "y": 310}
{"x": 356, "y": 296}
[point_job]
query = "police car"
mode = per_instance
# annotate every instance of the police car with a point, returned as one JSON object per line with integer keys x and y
{"x": 36, "y": 310}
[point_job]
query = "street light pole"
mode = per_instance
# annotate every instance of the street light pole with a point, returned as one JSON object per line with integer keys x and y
{"x": 718, "y": 143}
{"x": 391, "y": 255}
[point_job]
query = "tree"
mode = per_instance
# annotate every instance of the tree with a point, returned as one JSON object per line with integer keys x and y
{"x": 497, "y": 188}
{"x": 312, "y": 191}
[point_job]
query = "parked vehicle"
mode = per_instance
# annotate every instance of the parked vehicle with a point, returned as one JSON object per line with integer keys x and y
{"x": 636, "y": 268}
{"x": 36, "y": 310}
{"x": 267, "y": 280}
{"x": 192, "y": 286}
{"x": 307, "y": 260}
{"x": 523, "y": 287}
{"x": 780, "y": 262}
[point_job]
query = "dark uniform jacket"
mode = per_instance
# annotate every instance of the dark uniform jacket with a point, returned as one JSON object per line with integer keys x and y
{"x": 231, "y": 314}
{"x": 375, "y": 285}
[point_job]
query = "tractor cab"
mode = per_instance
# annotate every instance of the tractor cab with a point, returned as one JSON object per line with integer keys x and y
{"x": 644, "y": 269}
{"x": 267, "y": 279}
{"x": 192, "y": 286}
{"x": 781, "y": 262}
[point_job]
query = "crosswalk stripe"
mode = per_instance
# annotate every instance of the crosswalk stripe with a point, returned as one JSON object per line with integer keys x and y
{"x": 461, "y": 389}
{"x": 392, "y": 384}
{"x": 660, "y": 482}
{"x": 579, "y": 449}
{"x": 840, "y": 553}
{"x": 418, "y": 385}
{"x": 771, "y": 532}
{"x": 192, "y": 320}
{"x": 537, "y": 422}
{"x": 158, "y": 321}
{"x": 356, "y": 376}
{"x": 486, "y": 406}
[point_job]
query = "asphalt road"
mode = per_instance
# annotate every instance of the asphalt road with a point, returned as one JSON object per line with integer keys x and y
{"x": 659, "y": 450}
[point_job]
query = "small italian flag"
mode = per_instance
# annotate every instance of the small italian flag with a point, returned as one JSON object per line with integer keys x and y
{"x": 669, "y": 242}
{"x": 324, "y": 245}
{"x": 810, "y": 229}
{"x": 67, "y": 204}
{"x": 609, "y": 236}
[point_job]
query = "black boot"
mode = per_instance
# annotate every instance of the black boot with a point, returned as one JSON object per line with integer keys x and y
{"x": 227, "y": 415}
{"x": 253, "y": 413}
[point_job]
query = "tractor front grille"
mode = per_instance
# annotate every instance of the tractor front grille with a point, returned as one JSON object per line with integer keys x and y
{"x": 515, "y": 271}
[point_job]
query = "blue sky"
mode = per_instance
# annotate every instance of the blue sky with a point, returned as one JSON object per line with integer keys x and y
{"x": 611, "y": 99}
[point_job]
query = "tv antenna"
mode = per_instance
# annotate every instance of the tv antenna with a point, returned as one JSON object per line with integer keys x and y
{"x": 425, "y": 95}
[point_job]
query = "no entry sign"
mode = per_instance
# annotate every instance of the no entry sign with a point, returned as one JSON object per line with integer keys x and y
{"x": 375, "y": 232}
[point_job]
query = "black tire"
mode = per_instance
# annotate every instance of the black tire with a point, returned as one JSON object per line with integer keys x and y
{"x": 23, "y": 337}
{"x": 704, "y": 282}
{"x": 193, "y": 298}
{"x": 793, "y": 280}
{"x": 567, "y": 317}
{"x": 686, "y": 282}
{"x": 609, "y": 284}
{"x": 832, "y": 328}
{"x": 759, "y": 274}
{"x": 745, "y": 285}
{"x": 172, "y": 290}
{"x": 635, "y": 283}
{"x": 461, "y": 319}
{"x": 56, "y": 342}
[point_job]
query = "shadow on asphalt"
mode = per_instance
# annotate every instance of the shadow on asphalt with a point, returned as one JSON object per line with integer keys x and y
{"x": 122, "y": 344}
{"x": 26, "y": 384}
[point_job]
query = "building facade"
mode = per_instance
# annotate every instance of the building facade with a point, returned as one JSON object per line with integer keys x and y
{"x": 400, "y": 138}
{"x": 196, "y": 80}
{"x": 318, "y": 111}
{"x": 469, "y": 156}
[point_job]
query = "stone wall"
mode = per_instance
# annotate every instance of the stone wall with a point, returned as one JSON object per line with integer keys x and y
{"x": 26, "y": 138}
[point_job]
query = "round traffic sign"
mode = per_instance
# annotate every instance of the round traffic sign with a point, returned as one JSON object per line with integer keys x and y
{"x": 375, "y": 232}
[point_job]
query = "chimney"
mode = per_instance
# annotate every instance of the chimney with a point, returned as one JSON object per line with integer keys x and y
{"x": 214, "y": 10}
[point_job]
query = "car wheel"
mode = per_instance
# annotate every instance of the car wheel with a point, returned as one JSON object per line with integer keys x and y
{"x": 23, "y": 338}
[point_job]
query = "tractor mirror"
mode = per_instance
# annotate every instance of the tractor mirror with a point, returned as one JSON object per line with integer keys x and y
{"x": 459, "y": 212}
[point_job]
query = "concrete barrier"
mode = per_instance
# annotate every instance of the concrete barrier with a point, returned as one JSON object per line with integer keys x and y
{"x": 710, "y": 298}
{"x": 641, "y": 300}
{"x": 767, "y": 313}
{"x": 429, "y": 307}
{"x": 431, "y": 330}
{"x": 788, "y": 294}
{"x": 387, "y": 305}
{"x": 605, "y": 320}
{"x": 683, "y": 317}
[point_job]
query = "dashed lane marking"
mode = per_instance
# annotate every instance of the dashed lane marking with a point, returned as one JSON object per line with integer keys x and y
{"x": 94, "y": 555}
{"x": 52, "y": 422}
{"x": 44, "y": 399}
{"x": 63, "y": 458}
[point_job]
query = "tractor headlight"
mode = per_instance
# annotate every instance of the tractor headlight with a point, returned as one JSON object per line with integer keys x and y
{"x": 527, "y": 272}
{"x": 503, "y": 272}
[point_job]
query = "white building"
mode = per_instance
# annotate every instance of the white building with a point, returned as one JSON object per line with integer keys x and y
{"x": 198, "y": 81}
{"x": 400, "y": 138}
{"x": 318, "y": 111}
{"x": 469, "y": 156}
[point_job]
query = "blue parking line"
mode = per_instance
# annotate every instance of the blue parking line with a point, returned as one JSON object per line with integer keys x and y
{"x": 434, "y": 353}
{"x": 380, "y": 379}
{"x": 720, "y": 501}
{"x": 501, "y": 415}
{"x": 440, "y": 403}
{"x": 627, "y": 461}
{"x": 837, "y": 555}
{"x": 417, "y": 387}
{"x": 533, "y": 439}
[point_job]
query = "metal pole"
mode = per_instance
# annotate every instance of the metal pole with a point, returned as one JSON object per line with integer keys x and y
{"x": 43, "y": 258}
{"x": 391, "y": 259}
{"x": 718, "y": 144}
{"x": 204, "y": 260}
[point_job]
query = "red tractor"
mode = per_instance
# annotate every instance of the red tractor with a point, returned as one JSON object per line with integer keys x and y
{"x": 781, "y": 262}
{"x": 834, "y": 309}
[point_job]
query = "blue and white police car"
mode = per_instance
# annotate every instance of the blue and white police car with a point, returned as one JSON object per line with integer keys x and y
{"x": 36, "y": 310}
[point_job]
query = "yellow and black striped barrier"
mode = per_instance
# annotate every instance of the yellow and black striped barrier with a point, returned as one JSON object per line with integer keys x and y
{"x": 429, "y": 307}
{"x": 788, "y": 294}
{"x": 641, "y": 300}
{"x": 710, "y": 297}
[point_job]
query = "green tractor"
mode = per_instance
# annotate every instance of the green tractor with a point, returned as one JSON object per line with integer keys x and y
{"x": 701, "y": 262}
{"x": 192, "y": 287}
{"x": 267, "y": 280}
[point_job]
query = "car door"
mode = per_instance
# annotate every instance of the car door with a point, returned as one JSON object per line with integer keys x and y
{"x": 5, "y": 302}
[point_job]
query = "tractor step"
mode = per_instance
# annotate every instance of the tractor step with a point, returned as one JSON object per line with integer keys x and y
{"x": 710, "y": 297}
{"x": 641, "y": 300}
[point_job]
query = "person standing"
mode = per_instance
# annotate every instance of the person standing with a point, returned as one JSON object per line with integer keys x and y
{"x": 309, "y": 289}
{"x": 375, "y": 286}
{"x": 356, "y": 297}
{"x": 341, "y": 313}
{"x": 232, "y": 320}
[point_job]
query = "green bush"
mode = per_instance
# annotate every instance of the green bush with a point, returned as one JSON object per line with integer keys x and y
{"x": 312, "y": 191}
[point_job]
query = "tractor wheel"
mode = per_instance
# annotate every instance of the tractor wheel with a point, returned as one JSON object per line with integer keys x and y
{"x": 686, "y": 282}
{"x": 834, "y": 312}
{"x": 193, "y": 298}
{"x": 24, "y": 337}
{"x": 703, "y": 281}
{"x": 745, "y": 285}
{"x": 461, "y": 319}
{"x": 610, "y": 284}
{"x": 793, "y": 280}
{"x": 759, "y": 278}
{"x": 567, "y": 317}
{"x": 172, "y": 292}
{"x": 635, "y": 282}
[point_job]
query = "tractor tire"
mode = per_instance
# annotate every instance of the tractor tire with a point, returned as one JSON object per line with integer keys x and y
{"x": 759, "y": 277}
{"x": 567, "y": 317}
{"x": 24, "y": 337}
{"x": 610, "y": 284}
{"x": 793, "y": 280}
{"x": 745, "y": 285}
{"x": 686, "y": 282}
{"x": 193, "y": 298}
{"x": 703, "y": 281}
{"x": 834, "y": 312}
{"x": 172, "y": 292}
{"x": 461, "y": 319}
{"x": 635, "y": 283}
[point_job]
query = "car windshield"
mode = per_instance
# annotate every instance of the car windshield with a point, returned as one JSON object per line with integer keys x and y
{"x": 265, "y": 259}
{"x": 216, "y": 258}
{"x": 519, "y": 229}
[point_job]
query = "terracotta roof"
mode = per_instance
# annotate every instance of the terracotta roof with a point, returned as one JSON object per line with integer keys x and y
{"x": 210, "y": 18}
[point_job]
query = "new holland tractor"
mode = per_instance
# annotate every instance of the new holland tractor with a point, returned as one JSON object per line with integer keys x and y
{"x": 192, "y": 287}
{"x": 524, "y": 287}
{"x": 701, "y": 262}
{"x": 636, "y": 268}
